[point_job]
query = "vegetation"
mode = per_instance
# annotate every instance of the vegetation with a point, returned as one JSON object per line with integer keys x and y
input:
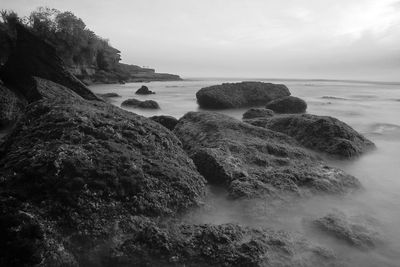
{"x": 75, "y": 43}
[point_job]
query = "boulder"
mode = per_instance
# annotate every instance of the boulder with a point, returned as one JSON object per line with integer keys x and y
{"x": 144, "y": 90}
{"x": 71, "y": 169}
{"x": 109, "y": 95}
{"x": 181, "y": 244}
{"x": 257, "y": 113}
{"x": 357, "y": 231}
{"x": 321, "y": 133}
{"x": 255, "y": 162}
{"x": 168, "y": 122}
{"x": 135, "y": 103}
{"x": 34, "y": 57}
{"x": 288, "y": 104}
{"x": 236, "y": 95}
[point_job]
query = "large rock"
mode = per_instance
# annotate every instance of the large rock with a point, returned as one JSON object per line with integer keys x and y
{"x": 356, "y": 231}
{"x": 11, "y": 107}
{"x": 72, "y": 169}
{"x": 288, "y": 104}
{"x": 109, "y": 95}
{"x": 135, "y": 103}
{"x": 34, "y": 57}
{"x": 168, "y": 122}
{"x": 244, "y": 94}
{"x": 144, "y": 90}
{"x": 214, "y": 245}
{"x": 252, "y": 161}
{"x": 321, "y": 133}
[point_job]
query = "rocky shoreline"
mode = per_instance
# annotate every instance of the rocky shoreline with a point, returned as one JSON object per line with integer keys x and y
{"x": 85, "y": 183}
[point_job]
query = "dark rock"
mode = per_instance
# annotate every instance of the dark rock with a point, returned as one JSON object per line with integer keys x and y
{"x": 109, "y": 95}
{"x": 168, "y": 122}
{"x": 244, "y": 94}
{"x": 214, "y": 245}
{"x": 288, "y": 104}
{"x": 252, "y": 161}
{"x": 356, "y": 231}
{"x": 135, "y": 103}
{"x": 34, "y": 57}
{"x": 144, "y": 90}
{"x": 11, "y": 107}
{"x": 75, "y": 168}
{"x": 258, "y": 112}
{"x": 321, "y": 133}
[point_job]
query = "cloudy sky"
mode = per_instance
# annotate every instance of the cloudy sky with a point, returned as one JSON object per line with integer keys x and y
{"x": 340, "y": 39}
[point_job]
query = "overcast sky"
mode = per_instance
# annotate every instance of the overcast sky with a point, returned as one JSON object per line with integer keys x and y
{"x": 342, "y": 39}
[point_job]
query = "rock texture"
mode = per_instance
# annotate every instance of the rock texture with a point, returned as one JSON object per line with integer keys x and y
{"x": 72, "y": 169}
{"x": 252, "y": 161}
{"x": 168, "y": 122}
{"x": 244, "y": 94}
{"x": 11, "y": 107}
{"x": 321, "y": 133}
{"x": 34, "y": 57}
{"x": 215, "y": 245}
{"x": 288, "y": 104}
{"x": 356, "y": 231}
{"x": 110, "y": 95}
{"x": 135, "y": 103}
{"x": 258, "y": 113}
{"x": 144, "y": 90}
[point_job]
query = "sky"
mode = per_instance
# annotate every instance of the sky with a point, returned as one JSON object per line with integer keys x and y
{"x": 322, "y": 39}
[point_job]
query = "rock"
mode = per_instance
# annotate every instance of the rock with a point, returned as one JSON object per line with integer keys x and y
{"x": 321, "y": 133}
{"x": 255, "y": 162}
{"x": 168, "y": 122}
{"x": 147, "y": 104}
{"x": 258, "y": 112}
{"x": 109, "y": 95}
{"x": 356, "y": 231}
{"x": 288, "y": 104}
{"x": 244, "y": 94}
{"x": 34, "y": 57}
{"x": 144, "y": 90}
{"x": 11, "y": 107}
{"x": 214, "y": 245}
{"x": 75, "y": 168}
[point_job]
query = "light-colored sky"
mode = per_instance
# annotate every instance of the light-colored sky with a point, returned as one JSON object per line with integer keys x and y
{"x": 342, "y": 39}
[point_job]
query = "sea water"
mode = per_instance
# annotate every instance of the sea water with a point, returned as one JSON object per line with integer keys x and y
{"x": 372, "y": 108}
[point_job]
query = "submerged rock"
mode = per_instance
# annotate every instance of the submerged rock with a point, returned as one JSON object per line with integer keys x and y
{"x": 252, "y": 161}
{"x": 144, "y": 90}
{"x": 257, "y": 113}
{"x": 244, "y": 94}
{"x": 135, "y": 103}
{"x": 109, "y": 95}
{"x": 321, "y": 133}
{"x": 356, "y": 231}
{"x": 214, "y": 245}
{"x": 34, "y": 57}
{"x": 288, "y": 104}
{"x": 168, "y": 122}
{"x": 75, "y": 168}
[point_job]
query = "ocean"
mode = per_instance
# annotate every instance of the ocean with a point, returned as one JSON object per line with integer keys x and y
{"x": 372, "y": 108}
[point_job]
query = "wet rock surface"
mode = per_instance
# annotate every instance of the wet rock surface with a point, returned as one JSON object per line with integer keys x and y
{"x": 288, "y": 104}
{"x": 254, "y": 162}
{"x": 358, "y": 231}
{"x": 168, "y": 122}
{"x": 321, "y": 133}
{"x": 236, "y": 95}
{"x": 135, "y": 103}
{"x": 144, "y": 90}
{"x": 258, "y": 113}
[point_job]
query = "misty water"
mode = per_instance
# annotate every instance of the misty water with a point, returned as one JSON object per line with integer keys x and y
{"x": 373, "y": 109}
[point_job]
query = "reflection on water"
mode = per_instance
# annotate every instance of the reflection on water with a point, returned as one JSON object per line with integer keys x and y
{"x": 367, "y": 107}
